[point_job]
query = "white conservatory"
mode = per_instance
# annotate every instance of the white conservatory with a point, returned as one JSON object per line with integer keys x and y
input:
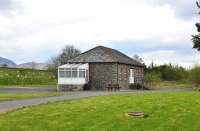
{"x": 73, "y": 74}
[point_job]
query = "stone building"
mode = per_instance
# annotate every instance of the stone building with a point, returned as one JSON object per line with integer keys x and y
{"x": 101, "y": 66}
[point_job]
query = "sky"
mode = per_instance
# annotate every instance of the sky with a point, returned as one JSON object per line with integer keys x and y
{"x": 156, "y": 30}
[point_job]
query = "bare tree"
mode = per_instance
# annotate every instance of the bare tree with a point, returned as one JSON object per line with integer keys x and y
{"x": 68, "y": 52}
{"x": 53, "y": 63}
{"x": 138, "y": 59}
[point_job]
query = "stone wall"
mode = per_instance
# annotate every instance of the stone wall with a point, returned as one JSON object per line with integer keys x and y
{"x": 70, "y": 87}
{"x": 139, "y": 75}
{"x": 124, "y": 73}
{"x": 102, "y": 74}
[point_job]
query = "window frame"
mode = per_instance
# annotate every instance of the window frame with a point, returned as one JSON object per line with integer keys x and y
{"x": 62, "y": 71}
{"x": 82, "y": 70}
{"x": 68, "y": 73}
{"x": 74, "y": 70}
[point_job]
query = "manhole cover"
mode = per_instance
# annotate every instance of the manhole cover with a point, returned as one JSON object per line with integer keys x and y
{"x": 136, "y": 114}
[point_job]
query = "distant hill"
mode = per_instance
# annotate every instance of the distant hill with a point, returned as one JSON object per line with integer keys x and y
{"x": 29, "y": 65}
{"x": 7, "y": 63}
{"x": 33, "y": 65}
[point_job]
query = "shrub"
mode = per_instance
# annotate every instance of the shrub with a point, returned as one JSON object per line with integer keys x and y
{"x": 167, "y": 73}
{"x": 87, "y": 86}
{"x": 135, "y": 86}
{"x": 194, "y": 75}
{"x": 152, "y": 77}
{"x": 156, "y": 74}
{"x": 173, "y": 73}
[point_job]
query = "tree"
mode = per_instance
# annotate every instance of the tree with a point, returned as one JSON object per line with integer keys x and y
{"x": 138, "y": 59}
{"x": 196, "y": 38}
{"x": 68, "y": 52}
{"x": 152, "y": 65}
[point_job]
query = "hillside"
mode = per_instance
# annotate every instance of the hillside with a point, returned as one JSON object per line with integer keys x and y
{"x": 6, "y": 62}
{"x": 33, "y": 65}
{"x": 14, "y": 76}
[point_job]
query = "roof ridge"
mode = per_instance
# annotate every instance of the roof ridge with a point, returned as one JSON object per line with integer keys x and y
{"x": 83, "y": 53}
{"x": 105, "y": 54}
{"x": 119, "y": 53}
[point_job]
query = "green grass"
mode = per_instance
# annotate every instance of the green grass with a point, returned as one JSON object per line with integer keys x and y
{"x": 172, "y": 84}
{"x": 169, "y": 84}
{"x": 166, "y": 112}
{"x": 26, "y": 77}
{"x": 19, "y": 96}
{"x": 28, "y": 86}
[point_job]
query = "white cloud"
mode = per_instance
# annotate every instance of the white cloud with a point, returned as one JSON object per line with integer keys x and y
{"x": 43, "y": 26}
{"x": 173, "y": 57}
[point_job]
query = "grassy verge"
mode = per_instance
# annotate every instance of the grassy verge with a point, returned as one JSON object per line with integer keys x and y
{"x": 172, "y": 84}
{"x": 28, "y": 86}
{"x": 169, "y": 84}
{"x": 26, "y": 77}
{"x": 166, "y": 112}
{"x": 19, "y": 96}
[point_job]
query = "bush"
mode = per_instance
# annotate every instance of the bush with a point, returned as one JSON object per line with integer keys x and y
{"x": 135, "y": 86}
{"x": 87, "y": 86}
{"x": 194, "y": 75}
{"x": 173, "y": 73}
{"x": 166, "y": 73}
{"x": 152, "y": 77}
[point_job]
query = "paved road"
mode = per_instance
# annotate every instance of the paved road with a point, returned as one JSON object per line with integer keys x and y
{"x": 10, "y": 105}
{"x": 53, "y": 89}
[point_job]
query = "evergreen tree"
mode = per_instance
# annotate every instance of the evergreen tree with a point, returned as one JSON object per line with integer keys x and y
{"x": 196, "y": 38}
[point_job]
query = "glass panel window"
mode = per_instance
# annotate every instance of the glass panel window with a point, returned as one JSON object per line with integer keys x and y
{"x": 82, "y": 73}
{"x": 68, "y": 73}
{"x": 61, "y": 73}
{"x": 74, "y": 72}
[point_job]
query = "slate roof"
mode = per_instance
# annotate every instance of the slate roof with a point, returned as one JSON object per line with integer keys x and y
{"x": 101, "y": 54}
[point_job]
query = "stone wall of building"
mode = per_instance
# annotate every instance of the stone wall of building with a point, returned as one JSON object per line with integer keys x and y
{"x": 102, "y": 74}
{"x": 124, "y": 73}
{"x": 138, "y": 75}
{"x": 123, "y": 76}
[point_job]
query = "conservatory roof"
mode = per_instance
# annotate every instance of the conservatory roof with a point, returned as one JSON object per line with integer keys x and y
{"x": 73, "y": 66}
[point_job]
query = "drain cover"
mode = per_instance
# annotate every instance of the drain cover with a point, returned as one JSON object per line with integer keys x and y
{"x": 136, "y": 114}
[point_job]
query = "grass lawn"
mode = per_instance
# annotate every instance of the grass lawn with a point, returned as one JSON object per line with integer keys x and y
{"x": 166, "y": 112}
{"x": 26, "y": 77}
{"x": 169, "y": 84}
{"x": 28, "y": 86}
{"x": 18, "y": 96}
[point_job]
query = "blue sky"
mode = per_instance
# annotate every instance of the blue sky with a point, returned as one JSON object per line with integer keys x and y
{"x": 156, "y": 30}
